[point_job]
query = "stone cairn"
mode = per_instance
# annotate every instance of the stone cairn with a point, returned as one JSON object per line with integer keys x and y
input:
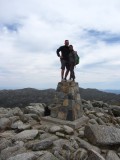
{"x": 67, "y": 104}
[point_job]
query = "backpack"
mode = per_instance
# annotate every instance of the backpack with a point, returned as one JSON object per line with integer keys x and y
{"x": 77, "y": 58}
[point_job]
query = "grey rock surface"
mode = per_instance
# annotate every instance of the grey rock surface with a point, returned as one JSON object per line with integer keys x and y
{"x": 26, "y": 135}
{"x": 27, "y": 156}
{"x": 93, "y": 155}
{"x": 111, "y": 155}
{"x": 48, "y": 156}
{"x": 102, "y": 135}
{"x": 5, "y": 123}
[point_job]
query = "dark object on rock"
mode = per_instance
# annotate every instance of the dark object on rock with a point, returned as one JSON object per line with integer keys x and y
{"x": 47, "y": 111}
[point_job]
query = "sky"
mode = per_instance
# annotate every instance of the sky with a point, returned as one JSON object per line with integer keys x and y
{"x": 32, "y": 30}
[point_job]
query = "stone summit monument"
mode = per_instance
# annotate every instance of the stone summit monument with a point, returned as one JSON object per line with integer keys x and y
{"x": 67, "y": 106}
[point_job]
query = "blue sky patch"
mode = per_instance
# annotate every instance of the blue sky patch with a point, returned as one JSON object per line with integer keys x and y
{"x": 107, "y": 37}
{"x": 12, "y": 27}
{"x": 95, "y": 65}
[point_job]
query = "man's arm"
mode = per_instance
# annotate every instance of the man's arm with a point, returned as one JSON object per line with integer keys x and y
{"x": 58, "y": 50}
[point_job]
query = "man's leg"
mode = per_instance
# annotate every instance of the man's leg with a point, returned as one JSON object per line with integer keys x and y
{"x": 62, "y": 74}
{"x": 62, "y": 69}
{"x": 67, "y": 70}
{"x": 66, "y": 73}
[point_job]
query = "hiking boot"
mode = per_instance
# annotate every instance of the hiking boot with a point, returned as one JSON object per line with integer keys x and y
{"x": 70, "y": 80}
{"x": 63, "y": 80}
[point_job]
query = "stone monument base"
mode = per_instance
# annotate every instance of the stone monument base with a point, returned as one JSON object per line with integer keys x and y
{"x": 74, "y": 124}
{"x": 67, "y": 102}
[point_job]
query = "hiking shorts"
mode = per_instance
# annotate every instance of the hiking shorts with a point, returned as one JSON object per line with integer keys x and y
{"x": 64, "y": 64}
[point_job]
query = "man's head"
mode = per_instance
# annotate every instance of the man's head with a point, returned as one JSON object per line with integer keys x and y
{"x": 66, "y": 42}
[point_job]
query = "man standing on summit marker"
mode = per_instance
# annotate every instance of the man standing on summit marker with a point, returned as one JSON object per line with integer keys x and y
{"x": 64, "y": 58}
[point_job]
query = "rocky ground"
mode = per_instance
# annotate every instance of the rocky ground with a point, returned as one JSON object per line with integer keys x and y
{"x": 24, "y": 137}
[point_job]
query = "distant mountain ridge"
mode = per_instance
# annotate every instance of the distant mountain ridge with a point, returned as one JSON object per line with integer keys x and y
{"x": 112, "y": 91}
{"x": 22, "y": 97}
{"x": 95, "y": 94}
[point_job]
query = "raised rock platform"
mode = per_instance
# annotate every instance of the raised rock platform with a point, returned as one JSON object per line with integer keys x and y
{"x": 67, "y": 104}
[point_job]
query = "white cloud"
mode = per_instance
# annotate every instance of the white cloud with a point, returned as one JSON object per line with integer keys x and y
{"x": 28, "y": 55}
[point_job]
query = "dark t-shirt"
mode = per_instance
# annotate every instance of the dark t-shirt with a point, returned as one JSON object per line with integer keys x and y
{"x": 64, "y": 52}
